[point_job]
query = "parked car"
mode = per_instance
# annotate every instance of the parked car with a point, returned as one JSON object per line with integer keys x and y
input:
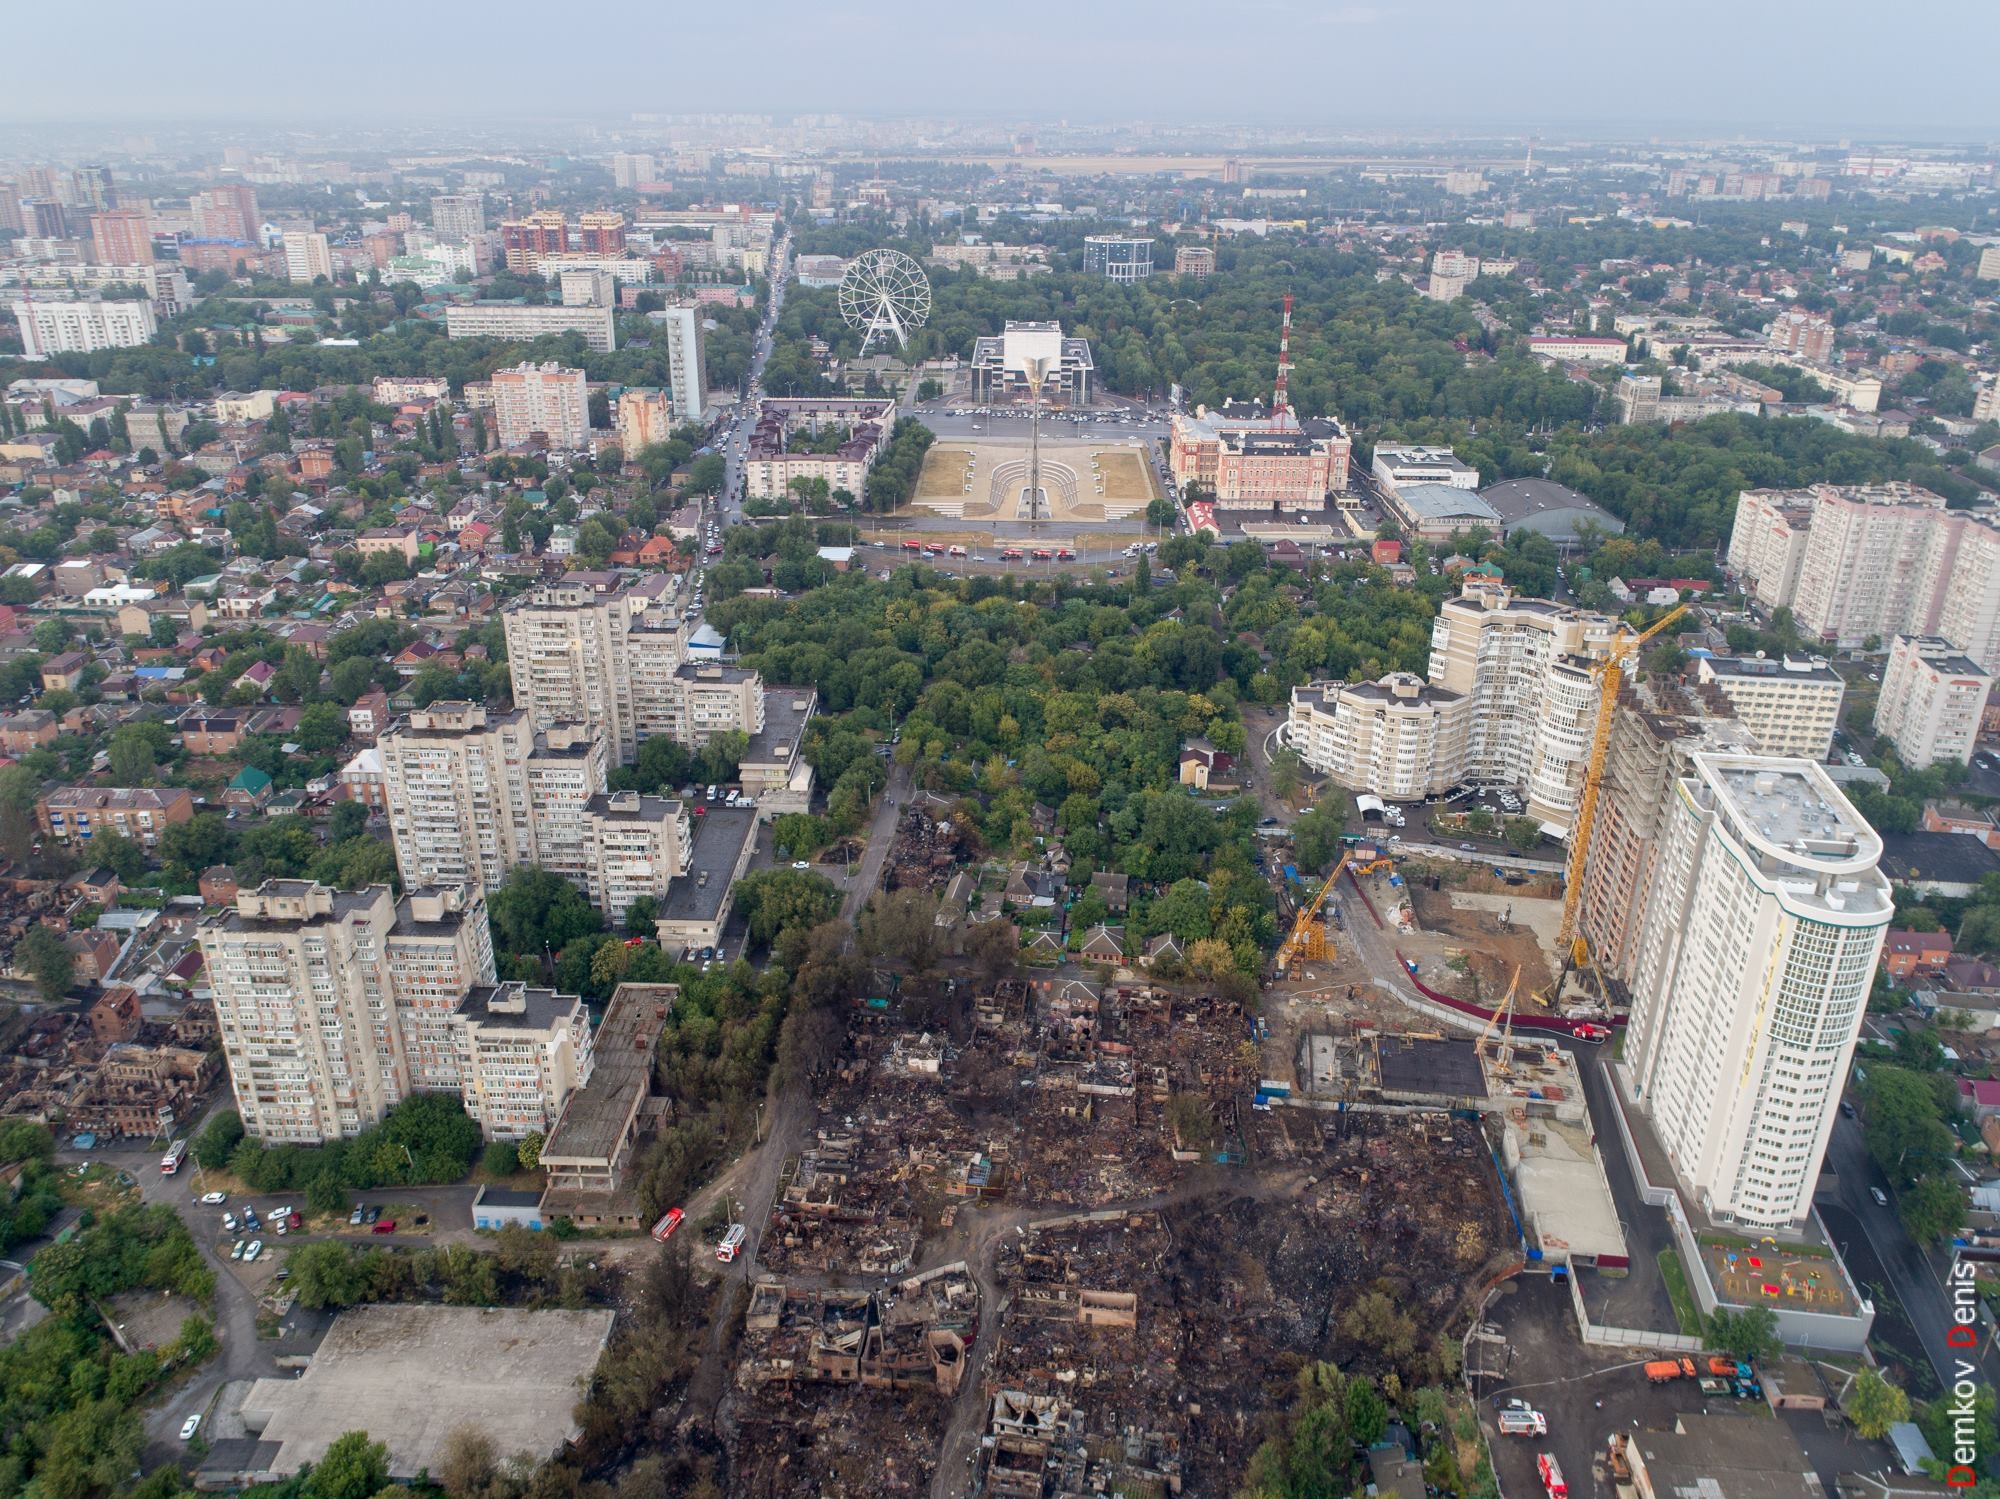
{"x": 190, "y": 1426}
{"x": 237, "y": 1252}
{"x": 801, "y": 864}
{"x": 214, "y": 1199}
{"x": 229, "y": 1222}
{"x": 254, "y": 1248}
{"x": 359, "y": 1216}
{"x": 374, "y": 1215}
{"x": 386, "y": 1226}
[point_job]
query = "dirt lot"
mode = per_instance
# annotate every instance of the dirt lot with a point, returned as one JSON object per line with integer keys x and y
{"x": 1493, "y": 952}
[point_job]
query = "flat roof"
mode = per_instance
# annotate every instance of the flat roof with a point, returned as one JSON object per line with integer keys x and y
{"x": 786, "y": 710}
{"x": 1520, "y": 500}
{"x": 540, "y": 1009}
{"x": 594, "y": 1120}
{"x": 1445, "y": 1069}
{"x": 1726, "y": 1457}
{"x": 719, "y": 836}
{"x": 514, "y": 1374}
{"x": 1442, "y": 501}
{"x": 1779, "y": 668}
{"x": 1791, "y": 812}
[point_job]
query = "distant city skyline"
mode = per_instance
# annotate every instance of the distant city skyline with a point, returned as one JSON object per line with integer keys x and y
{"x": 1446, "y": 64}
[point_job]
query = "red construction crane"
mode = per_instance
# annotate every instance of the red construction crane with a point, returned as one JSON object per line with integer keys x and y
{"x": 1281, "y": 404}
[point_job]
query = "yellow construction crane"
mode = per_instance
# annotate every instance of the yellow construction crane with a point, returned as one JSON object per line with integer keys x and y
{"x": 1503, "y": 1060}
{"x": 1610, "y": 674}
{"x": 1306, "y": 942}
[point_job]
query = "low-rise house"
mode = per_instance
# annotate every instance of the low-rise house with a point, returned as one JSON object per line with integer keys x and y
{"x": 1204, "y": 767}
{"x": 28, "y": 730}
{"x": 249, "y": 790}
{"x": 1907, "y": 954}
{"x": 1116, "y": 888}
{"x": 1104, "y": 944}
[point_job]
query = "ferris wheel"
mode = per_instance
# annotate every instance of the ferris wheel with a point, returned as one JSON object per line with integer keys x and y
{"x": 885, "y": 292}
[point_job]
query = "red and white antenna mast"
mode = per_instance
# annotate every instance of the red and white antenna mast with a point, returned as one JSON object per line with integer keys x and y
{"x": 1281, "y": 405}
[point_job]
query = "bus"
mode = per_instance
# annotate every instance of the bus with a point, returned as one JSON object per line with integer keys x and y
{"x": 171, "y": 1161}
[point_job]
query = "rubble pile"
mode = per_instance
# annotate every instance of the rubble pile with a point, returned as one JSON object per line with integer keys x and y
{"x": 1143, "y": 1349}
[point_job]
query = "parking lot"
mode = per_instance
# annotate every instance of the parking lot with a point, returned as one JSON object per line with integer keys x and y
{"x": 1586, "y": 1393}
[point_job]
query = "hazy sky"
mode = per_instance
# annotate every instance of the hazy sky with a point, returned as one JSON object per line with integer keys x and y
{"x": 1778, "y": 67}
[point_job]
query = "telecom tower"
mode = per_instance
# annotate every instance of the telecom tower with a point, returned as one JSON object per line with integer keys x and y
{"x": 1281, "y": 402}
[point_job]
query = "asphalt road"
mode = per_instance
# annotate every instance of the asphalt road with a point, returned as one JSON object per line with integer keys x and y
{"x": 1917, "y": 1277}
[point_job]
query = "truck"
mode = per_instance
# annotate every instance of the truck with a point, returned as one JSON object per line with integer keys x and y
{"x": 954, "y": 551}
{"x": 1552, "y": 1476}
{"x": 1729, "y": 1368}
{"x": 1662, "y": 1370}
{"x": 1523, "y": 1424}
{"x": 1010, "y": 554}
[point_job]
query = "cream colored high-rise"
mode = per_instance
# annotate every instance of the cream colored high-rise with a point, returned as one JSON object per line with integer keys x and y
{"x": 1400, "y": 738}
{"x": 1763, "y": 927}
{"x": 335, "y": 1006}
{"x": 568, "y": 656}
{"x": 1523, "y": 666}
{"x": 1933, "y": 698}
{"x": 472, "y": 793}
{"x": 306, "y": 1009}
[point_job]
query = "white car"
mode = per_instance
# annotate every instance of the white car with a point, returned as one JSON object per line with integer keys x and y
{"x": 190, "y": 1426}
{"x": 214, "y": 1199}
{"x": 251, "y": 1250}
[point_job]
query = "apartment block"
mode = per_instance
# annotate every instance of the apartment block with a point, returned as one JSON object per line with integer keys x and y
{"x": 306, "y": 1011}
{"x": 439, "y": 948}
{"x": 544, "y": 401}
{"x": 1931, "y": 702}
{"x": 334, "y": 1006}
{"x": 1400, "y": 738}
{"x": 1872, "y": 561}
{"x": 606, "y": 650}
{"x": 227, "y": 212}
{"x": 308, "y": 256}
{"x": 587, "y": 286}
{"x": 512, "y": 322}
{"x": 567, "y": 651}
{"x": 687, "y": 365}
{"x": 472, "y": 793}
{"x": 643, "y": 418}
{"x": 524, "y": 240}
{"x": 1658, "y": 726}
{"x": 1523, "y": 665}
{"x": 1805, "y": 335}
{"x": 82, "y": 325}
{"x": 638, "y": 847}
{"x": 1762, "y": 933}
{"x": 1790, "y": 705}
{"x": 122, "y": 236}
{"x": 76, "y": 814}
{"x": 524, "y": 1052}
{"x": 1767, "y": 545}
{"x": 458, "y": 217}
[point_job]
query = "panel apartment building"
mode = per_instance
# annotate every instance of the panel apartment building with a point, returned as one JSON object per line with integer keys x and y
{"x": 334, "y": 1006}
{"x": 1933, "y": 697}
{"x": 1870, "y": 562}
{"x": 472, "y": 793}
{"x": 1765, "y": 920}
{"x": 605, "y": 650}
{"x": 1790, "y": 705}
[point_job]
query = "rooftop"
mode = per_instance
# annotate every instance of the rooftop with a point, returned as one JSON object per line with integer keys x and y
{"x": 1725, "y": 1457}
{"x": 719, "y": 836}
{"x": 1443, "y": 502}
{"x": 597, "y": 1115}
{"x": 515, "y": 1006}
{"x": 1790, "y": 668}
{"x": 514, "y": 1374}
{"x": 1782, "y": 805}
{"x": 786, "y": 710}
